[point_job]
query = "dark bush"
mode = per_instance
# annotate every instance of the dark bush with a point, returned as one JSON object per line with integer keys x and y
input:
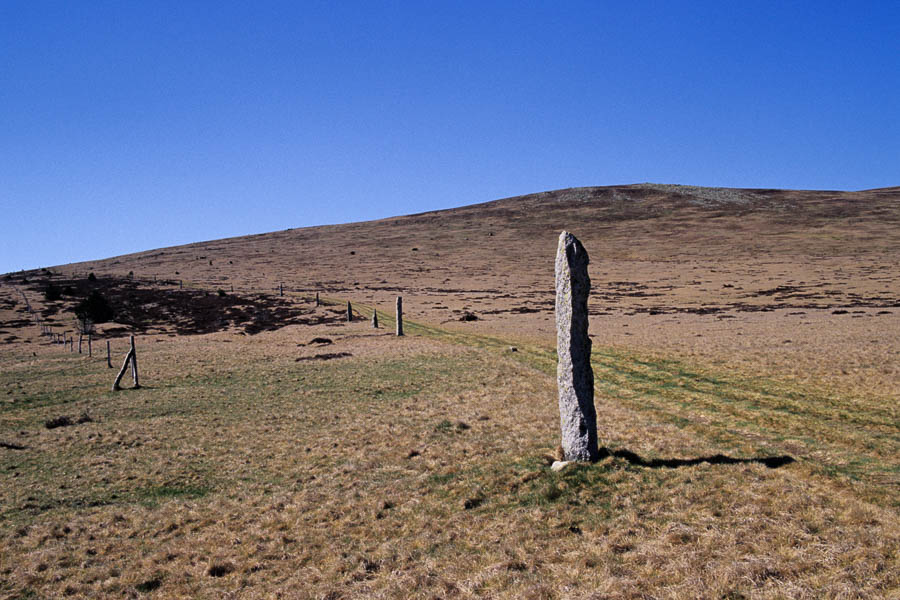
{"x": 220, "y": 569}
{"x": 149, "y": 585}
{"x": 58, "y": 422}
{"x": 221, "y": 292}
{"x": 94, "y": 307}
{"x": 92, "y": 277}
{"x": 52, "y": 293}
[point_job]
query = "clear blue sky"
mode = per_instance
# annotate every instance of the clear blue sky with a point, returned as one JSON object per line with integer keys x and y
{"x": 127, "y": 126}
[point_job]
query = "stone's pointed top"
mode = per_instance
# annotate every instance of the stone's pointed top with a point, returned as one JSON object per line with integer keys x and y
{"x": 572, "y": 247}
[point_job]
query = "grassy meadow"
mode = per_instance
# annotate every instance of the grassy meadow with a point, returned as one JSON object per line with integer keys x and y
{"x": 418, "y": 467}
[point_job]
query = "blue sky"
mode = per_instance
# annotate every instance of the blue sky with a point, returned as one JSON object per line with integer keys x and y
{"x": 126, "y": 126}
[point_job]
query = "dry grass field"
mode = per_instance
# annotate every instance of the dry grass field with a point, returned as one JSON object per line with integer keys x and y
{"x": 746, "y": 351}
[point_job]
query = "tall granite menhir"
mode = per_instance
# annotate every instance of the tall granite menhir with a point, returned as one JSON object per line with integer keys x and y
{"x": 574, "y": 376}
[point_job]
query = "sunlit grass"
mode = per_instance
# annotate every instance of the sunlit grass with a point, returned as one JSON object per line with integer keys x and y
{"x": 419, "y": 467}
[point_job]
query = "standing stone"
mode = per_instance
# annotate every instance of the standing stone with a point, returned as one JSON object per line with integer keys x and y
{"x": 574, "y": 376}
{"x": 349, "y": 312}
{"x": 399, "y": 315}
{"x": 317, "y": 298}
{"x": 281, "y": 289}
{"x": 374, "y": 318}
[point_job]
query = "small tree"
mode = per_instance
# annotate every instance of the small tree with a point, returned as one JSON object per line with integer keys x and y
{"x": 52, "y": 292}
{"x": 84, "y": 324}
{"x": 94, "y": 308}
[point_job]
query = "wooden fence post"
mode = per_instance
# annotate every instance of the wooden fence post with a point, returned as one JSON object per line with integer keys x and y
{"x": 108, "y": 359}
{"x": 115, "y": 386}
{"x": 134, "y": 367}
{"x": 90, "y": 346}
{"x": 399, "y": 315}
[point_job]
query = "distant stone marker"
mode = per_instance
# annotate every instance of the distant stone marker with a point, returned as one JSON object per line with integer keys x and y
{"x": 317, "y": 298}
{"x": 374, "y": 318}
{"x": 349, "y": 312}
{"x": 574, "y": 376}
{"x": 399, "y": 315}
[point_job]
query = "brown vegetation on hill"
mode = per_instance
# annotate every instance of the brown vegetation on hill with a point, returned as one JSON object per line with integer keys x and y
{"x": 746, "y": 345}
{"x": 805, "y": 283}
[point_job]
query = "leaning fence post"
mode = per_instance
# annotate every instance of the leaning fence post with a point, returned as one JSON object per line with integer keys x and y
{"x": 399, "y": 315}
{"x": 108, "y": 360}
{"x": 374, "y": 318}
{"x": 115, "y": 386}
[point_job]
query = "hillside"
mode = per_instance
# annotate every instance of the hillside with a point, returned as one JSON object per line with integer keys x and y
{"x": 745, "y": 349}
{"x": 671, "y": 267}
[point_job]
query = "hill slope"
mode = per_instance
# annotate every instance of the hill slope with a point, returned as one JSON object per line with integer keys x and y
{"x": 671, "y": 267}
{"x": 745, "y": 352}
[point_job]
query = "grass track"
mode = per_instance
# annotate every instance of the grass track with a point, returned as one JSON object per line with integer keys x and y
{"x": 851, "y": 439}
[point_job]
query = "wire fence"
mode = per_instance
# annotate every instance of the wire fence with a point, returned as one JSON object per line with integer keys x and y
{"x": 82, "y": 340}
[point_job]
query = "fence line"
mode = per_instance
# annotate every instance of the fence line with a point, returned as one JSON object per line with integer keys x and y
{"x": 66, "y": 338}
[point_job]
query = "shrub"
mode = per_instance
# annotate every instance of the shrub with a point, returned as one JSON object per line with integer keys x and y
{"x": 52, "y": 293}
{"x": 92, "y": 277}
{"x": 94, "y": 307}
